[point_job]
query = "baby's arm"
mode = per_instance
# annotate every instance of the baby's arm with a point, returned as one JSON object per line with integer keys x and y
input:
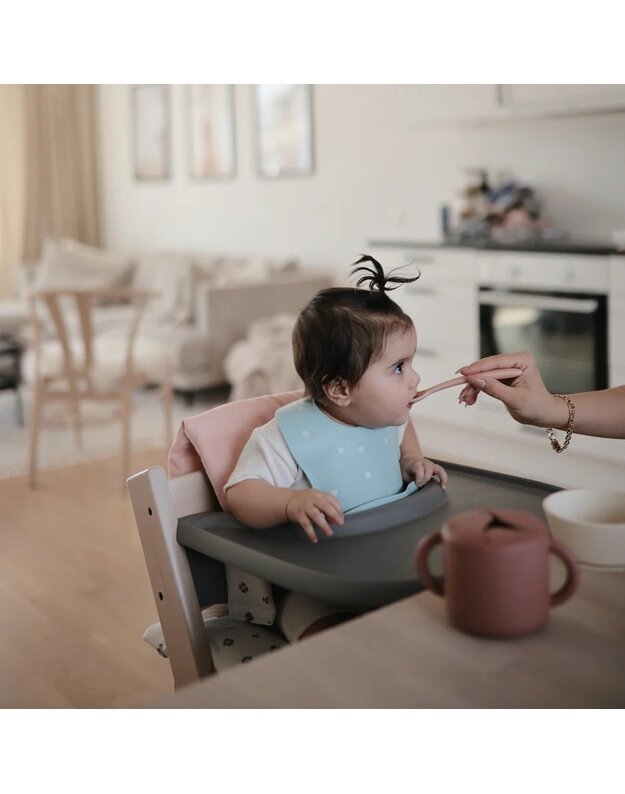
{"x": 258, "y": 504}
{"x": 414, "y": 466}
{"x": 259, "y": 492}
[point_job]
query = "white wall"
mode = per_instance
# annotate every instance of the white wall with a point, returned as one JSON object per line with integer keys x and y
{"x": 376, "y": 176}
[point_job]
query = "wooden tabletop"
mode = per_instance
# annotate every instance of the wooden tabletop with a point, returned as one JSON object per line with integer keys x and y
{"x": 406, "y": 655}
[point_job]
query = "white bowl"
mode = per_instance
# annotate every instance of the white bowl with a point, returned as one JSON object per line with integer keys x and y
{"x": 591, "y": 524}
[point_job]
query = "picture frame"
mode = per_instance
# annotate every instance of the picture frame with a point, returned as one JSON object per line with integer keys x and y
{"x": 211, "y": 132}
{"x": 151, "y": 132}
{"x": 284, "y": 131}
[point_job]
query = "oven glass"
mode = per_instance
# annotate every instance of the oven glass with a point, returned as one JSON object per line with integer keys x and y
{"x": 567, "y": 335}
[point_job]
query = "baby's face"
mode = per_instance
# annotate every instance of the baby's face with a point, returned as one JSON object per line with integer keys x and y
{"x": 383, "y": 395}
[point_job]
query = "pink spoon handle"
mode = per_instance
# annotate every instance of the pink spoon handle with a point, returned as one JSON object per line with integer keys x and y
{"x": 499, "y": 374}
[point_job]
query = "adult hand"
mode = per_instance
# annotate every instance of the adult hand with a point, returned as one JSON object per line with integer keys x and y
{"x": 525, "y": 396}
{"x": 308, "y": 506}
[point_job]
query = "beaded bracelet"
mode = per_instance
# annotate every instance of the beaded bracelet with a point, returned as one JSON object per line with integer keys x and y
{"x": 569, "y": 428}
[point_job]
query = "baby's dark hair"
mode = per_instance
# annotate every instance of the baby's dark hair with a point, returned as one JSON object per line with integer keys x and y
{"x": 343, "y": 329}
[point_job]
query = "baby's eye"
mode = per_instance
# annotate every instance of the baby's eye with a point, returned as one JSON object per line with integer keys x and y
{"x": 398, "y": 369}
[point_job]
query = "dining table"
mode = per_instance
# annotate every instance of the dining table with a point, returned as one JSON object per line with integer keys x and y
{"x": 408, "y": 655}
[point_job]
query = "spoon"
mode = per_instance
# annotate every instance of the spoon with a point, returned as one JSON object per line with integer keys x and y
{"x": 498, "y": 374}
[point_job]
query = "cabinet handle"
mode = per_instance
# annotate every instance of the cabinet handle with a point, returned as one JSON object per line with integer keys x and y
{"x": 530, "y": 301}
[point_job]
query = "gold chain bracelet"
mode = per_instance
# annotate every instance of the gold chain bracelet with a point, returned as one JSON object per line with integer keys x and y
{"x": 569, "y": 428}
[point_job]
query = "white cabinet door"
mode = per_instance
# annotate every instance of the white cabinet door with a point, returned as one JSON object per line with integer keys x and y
{"x": 558, "y": 272}
{"x": 475, "y": 104}
{"x": 562, "y": 98}
{"x": 433, "y": 263}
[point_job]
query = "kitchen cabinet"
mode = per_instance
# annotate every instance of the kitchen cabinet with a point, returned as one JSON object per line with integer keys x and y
{"x": 557, "y": 272}
{"x": 444, "y": 305}
{"x": 487, "y": 103}
{"x": 556, "y": 98}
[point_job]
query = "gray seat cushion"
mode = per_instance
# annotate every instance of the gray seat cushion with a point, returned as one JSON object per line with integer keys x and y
{"x": 231, "y": 642}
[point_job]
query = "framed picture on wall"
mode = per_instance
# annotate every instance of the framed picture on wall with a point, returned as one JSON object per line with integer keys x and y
{"x": 210, "y": 114}
{"x": 151, "y": 122}
{"x": 284, "y": 130}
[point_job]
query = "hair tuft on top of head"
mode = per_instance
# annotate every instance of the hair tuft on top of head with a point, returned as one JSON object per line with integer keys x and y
{"x": 376, "y": 278}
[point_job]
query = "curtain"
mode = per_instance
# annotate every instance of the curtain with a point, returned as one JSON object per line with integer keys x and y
{"x": 53, "y": 130}
{"x": 12, "y": 185}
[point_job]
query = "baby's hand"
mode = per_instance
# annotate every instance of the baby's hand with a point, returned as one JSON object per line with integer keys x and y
{"x": 310, "y": 505}
{"x": 421, "y": 470}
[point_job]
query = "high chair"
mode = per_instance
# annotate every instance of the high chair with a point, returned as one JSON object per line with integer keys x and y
{"x": 184, "y": 583}
{"x": 189, "y": 508}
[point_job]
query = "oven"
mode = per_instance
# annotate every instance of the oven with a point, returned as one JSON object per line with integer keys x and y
{"x": 566, "y": 332}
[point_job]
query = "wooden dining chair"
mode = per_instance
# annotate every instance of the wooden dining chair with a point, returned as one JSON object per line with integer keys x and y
{"x": 75, "y": 365}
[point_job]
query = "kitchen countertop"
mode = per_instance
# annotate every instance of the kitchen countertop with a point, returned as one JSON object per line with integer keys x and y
{"x": 588, "y": 247}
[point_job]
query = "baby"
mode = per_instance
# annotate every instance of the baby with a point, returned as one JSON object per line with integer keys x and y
{"x": 349, "y": 444}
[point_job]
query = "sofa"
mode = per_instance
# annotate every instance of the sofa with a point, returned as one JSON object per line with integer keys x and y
{"x": 204, "y": 303}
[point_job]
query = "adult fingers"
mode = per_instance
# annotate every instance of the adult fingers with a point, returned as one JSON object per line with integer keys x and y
{"x": 507, "y": 394}
{"x": 469, "y": 395}
{"x": 519, "y": 360}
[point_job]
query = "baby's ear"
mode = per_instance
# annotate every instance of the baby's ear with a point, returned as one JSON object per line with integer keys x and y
{"x": 337, "y": 391}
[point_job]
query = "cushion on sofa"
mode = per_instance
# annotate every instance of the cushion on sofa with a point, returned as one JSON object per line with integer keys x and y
{"x": 169, "y": 274}
{"x": 69, "y": 264}
{"x": 231, "y": 271}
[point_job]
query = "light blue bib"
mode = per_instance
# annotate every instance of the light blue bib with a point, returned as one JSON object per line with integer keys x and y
{"x": 359, "y": 465}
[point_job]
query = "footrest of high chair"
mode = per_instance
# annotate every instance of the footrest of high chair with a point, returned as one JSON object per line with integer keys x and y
{"x": 230, "y": 641}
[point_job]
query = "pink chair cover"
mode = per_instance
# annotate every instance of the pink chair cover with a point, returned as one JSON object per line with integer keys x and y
{"x": 213, "y": 440}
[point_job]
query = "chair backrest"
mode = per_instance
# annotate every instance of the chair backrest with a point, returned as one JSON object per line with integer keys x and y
{"x": 213, "y": 440}
{"x": 157, "y": 504}
{"x": 64, "y": 307}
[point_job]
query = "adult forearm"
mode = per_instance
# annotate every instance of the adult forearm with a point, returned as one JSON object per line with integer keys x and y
{"x": 258, "y": 504}
{"x": 600, "y": 413}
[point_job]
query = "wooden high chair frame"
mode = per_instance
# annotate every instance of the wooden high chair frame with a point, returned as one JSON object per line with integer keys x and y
{"x": 76, "y": 381}
{"x": 157, "y": 504}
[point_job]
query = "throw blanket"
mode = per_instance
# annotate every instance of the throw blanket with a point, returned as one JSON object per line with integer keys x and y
{"x": 262, "y": 363}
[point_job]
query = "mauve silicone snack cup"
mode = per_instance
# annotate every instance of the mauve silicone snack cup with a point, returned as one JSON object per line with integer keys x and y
{"x": 496, "y": 571}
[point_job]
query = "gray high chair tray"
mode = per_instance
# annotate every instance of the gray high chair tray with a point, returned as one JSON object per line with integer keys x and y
{"x": 354, "y": 569}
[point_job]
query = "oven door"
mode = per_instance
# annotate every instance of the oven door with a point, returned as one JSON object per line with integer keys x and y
{"x": 566, "y": 334}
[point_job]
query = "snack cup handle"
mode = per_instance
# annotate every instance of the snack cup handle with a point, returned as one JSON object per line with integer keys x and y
{"x": 572, "y": 569}
{"x": 424, "y": 547}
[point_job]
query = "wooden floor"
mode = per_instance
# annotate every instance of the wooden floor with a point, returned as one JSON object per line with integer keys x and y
{"x": 74, "y": 593}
